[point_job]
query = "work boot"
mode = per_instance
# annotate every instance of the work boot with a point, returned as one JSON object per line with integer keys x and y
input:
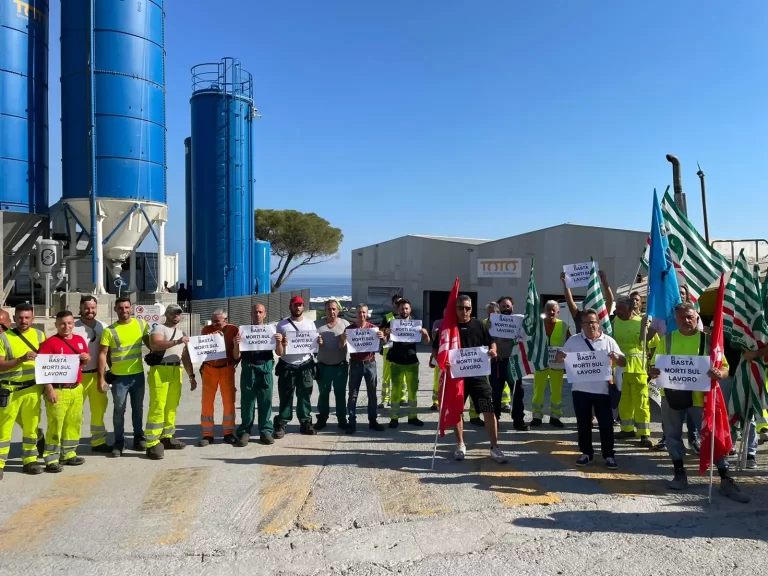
{"x": 351, "y": 428}
{"x": 555, "y": 422}
{"x": 33, "y": 468}
{"x": 101, "y": 449}
{"x": 623, "y": 435}
{"x": 343, "y": 423}
{"x": 393, "y": 423}
{"x": 381, "y": 405}
{"x": 435, "y": 407}
{"x": 279, "y": 431}
{"x": 477, "y": 421}
{"x": 660, "y": 446}
{"x": 243, "y": 440}
{"x": 729, "y": 489}
{"x": 266, "y": 438}
{"x": 139, "y": 443}
{"x": 645, "y": 442}
{"x": 40, "y": 442}
{"x": 403, "y": 403}
{"x": 157, "y": 452}
{"x": 415, "y": 422}
{"x": 307, "y": 429}
{"x": 321, "y": 422}
{"x": 536, "y": 422}
{"x": 507, "y": 409}
{"x": 680, "y": 481}
{"x": 205, "y": 441}
{"x": 229, "y": 439}
{"x": 751, "y": 463}
{"x": 522, "y": 427}
{"x": 54, "y": 467}
{"x": 172, "y": 444}
{"x": 117, "y": 451}
{"x": 374, "y": 425}
{"x": 74, "y": 461}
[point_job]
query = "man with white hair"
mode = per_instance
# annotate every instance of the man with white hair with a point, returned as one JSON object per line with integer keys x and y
{"x": 557, "y": 334}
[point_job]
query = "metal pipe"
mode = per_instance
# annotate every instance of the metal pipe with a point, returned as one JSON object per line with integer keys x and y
{"x": 161, "y": 256}
{"x": 95, "y": 227}
{"x": 132, "y": 272}
{"x": 677, "y": 183}
{"x": 98, "y": 249}
{"x": 123, "y": 220}
{"x": 700, "y": 174}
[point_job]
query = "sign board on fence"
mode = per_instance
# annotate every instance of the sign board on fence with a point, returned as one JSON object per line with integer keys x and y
{"x": 56, "y": 368}
{"x": 257, "y": 337}
{"x": 301, "y": 342}
{"x": 684, "y": 373}
{"x": 152, "y": 314}
{"x": 468, "y": 362}
{"x": 405, "y": 331}
{"x": 206, "y": 348}
{"x": 577, "y": 275}
{"x": 508, "y": 326}
{"x": 552, "y": 353}
{"x": 361, "y": 340}
{"x": 499, "y": 268}
{"x": 593, "y": 366}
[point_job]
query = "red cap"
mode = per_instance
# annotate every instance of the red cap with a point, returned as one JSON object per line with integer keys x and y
{"x": 297, "y": 300}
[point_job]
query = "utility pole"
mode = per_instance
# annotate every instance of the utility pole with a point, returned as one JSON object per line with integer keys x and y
{"x": 700, "y": 174}
{"x": 677, "y": 183}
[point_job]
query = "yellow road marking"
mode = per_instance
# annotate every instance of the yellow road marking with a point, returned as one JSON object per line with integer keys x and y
{"x": 174, "y": 497}
{"x": 284, "y": 492}
{"x": 36, "y": 521}
{"x": 404, "y": 494}
{"x": 512, "y": 487}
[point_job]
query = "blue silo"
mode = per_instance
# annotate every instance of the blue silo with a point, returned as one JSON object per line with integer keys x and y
{"x": 261, "y": 263}
{"x": 189, "y": 208}
{"x": 222, "y": 224}
{"x": 113, "y": 124}
{"x": 24, "y": 107}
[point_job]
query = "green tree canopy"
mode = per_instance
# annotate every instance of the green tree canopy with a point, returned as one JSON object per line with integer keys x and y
{"x": 298, "y": 239}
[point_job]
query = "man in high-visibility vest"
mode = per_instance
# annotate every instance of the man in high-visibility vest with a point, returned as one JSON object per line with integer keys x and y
{"x": 629, "y": 330}
{"x": 688, "y": 340}
{"x": 91, "y": 330}
{"x": 557, "y": 334}
{"x": 19, "y": 394}
{"x": 123, "y": 340}
{"x": 386, "y": 371}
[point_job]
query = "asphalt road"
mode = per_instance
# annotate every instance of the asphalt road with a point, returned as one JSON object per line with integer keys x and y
{"x": 368, "y": 504}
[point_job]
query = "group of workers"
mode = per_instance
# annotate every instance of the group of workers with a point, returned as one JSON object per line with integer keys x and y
{"x": 111, "y": 358}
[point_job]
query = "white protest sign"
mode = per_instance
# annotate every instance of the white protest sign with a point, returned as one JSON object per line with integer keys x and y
{"x": 405, "y": 331}
{"x": 618, "y": 377}
{"x": 362, "y": 340}
{"x": 508, "y": 326}
{"x": 684, "y": 373}
{"x": 654, "y": 393}
{"x": 593, "y": 366}
{"x": 207, "y": 348}
{"x": 301, "y": 342}
{"x": 56, "y": 368}
{"x": 577, "y": 275}
{"x": 257, "y": 337}
{"x": 468, "y": 362}
{"x": 552, "y": 353}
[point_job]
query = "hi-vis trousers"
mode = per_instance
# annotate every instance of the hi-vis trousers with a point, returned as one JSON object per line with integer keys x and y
{"x": 24, "y": 406}
{"x": 436, "y": 395}
{"x": 65, "y": 419}
{"x": 386, "y": 380}
{"x": 164, "y": 384}
{"x": 98, "y": 401}
{"x": 405, "y": 378}
{"x": 213, "y": 379}
{"x": 634, "y": 407}
{"x": 555, "y": 378}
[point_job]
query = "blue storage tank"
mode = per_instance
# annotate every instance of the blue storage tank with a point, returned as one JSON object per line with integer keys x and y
{"x": 24, "y": 106}
{"x": 189, "y": 208}
{"x": 222, "y": 224}
{"x": 128, "y": 104}
{"x": 261, "y": 264}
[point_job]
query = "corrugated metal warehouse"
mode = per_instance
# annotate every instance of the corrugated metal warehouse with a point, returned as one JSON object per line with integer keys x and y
{"x": 422, "y": 268}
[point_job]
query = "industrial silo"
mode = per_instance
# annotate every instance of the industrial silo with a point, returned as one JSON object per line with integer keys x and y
{"x": 189, "y": 208}
{"x": 113, "y": 129}
{"x": 222, "y": 225}
{"x": 23, "y": 129}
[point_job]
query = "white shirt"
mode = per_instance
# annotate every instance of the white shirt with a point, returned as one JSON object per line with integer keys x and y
{"x": 93, "y": 337}
{"x": 577, "y": 343}
{"x": 172, "y": 354}
{"x": 285, "y": 327}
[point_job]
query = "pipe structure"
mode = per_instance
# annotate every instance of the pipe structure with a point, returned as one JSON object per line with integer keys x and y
{"x": 96, "y": 258}
{"x": 160, "y": 255}
{"x": 98, "y": 249}
{"x": 700, "y": 174}
{"x": 677, "y": 183}
{"x": 132, "y": 272}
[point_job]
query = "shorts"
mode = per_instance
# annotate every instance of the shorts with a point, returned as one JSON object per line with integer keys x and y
{"x": 479, "y": 390}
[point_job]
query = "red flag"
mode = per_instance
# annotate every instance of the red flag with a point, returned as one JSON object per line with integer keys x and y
{"x": 451, "y": 389}
{"x": 715, "y": 426}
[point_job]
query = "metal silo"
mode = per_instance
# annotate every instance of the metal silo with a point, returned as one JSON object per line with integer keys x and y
{"x": 189, "y": 208}
{"x": 113, "y": 129}
{"x": 222, "y": 226}
{"x": 23, "y": 129}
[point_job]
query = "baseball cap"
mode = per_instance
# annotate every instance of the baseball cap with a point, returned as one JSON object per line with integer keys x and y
{"x": 297, "y": 300}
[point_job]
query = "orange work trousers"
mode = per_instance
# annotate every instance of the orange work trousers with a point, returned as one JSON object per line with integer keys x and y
{"x": 213, "y": 378}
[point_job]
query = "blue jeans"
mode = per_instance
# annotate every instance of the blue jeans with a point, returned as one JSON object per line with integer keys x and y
{"x": 122, "y": 387}
{"x": 672, "y": 421}
{"x": 358, "y": 371}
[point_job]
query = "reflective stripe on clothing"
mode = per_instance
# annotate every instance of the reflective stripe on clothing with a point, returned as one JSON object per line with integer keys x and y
{"x": 125, "y": 346}
{"x": 11, "y": 346}
{"x": 165, "y": 383}
{"x": 24, "y": 407}
{"x": 65, "y": 419}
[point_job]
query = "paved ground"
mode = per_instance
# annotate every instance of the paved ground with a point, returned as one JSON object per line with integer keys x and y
{"x": 369, "y": 504}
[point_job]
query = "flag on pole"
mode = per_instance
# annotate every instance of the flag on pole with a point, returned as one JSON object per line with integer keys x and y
{"x": 451, "y": 389}
{"x": 745, "y": 326}
{"x": 535, "y": 337}
{"x": 519, "y": 367}
{"x": 695, "y": 261}
{"x": 715, "y": 426}
{"x": 595, "y": 300}
{"x": 663, "y": 291}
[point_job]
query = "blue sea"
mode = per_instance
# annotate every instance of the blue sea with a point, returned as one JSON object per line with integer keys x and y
{"x": 321, "y": 286}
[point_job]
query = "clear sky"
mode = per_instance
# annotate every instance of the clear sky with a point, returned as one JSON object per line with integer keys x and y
{"x": 479, "y": 119}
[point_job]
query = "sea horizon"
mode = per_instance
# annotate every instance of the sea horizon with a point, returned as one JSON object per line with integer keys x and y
{"x": 321, "y": 286}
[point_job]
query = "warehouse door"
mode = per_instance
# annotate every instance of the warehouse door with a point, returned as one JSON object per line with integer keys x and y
{"x": 435, "y": 302}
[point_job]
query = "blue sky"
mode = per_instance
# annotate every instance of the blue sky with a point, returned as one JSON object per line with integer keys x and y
{"x": 480, "y": 119}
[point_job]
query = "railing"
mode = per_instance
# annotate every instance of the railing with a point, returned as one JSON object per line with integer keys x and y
{"x": 239, "y": 309}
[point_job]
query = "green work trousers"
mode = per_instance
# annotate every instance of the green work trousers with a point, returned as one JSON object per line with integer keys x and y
{"x": 256, "y": 394}
{"x": 404, "y": 376}
{"x": 332, "y": 378}
{"x": 296, "y": 379}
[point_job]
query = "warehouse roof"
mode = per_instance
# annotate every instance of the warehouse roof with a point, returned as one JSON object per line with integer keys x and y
{"x": 453, "y": 239}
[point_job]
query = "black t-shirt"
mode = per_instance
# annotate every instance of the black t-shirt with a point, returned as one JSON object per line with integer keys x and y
{"x": 577, "y": 321}
{"x": 401, "y": 353}
{"x": 257, "y": 357}
{"x": 472, "y": 334}
{"x": 732, "y": 355}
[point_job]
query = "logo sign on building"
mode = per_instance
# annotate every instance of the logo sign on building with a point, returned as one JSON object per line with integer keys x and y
{"x": 151, "y": 314}
{"x": 499, "y": 268}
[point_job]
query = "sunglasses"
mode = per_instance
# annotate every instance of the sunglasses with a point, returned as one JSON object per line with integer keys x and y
{"x": 463, "y": 307}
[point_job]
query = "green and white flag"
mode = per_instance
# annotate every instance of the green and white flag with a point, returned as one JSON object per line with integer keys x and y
{"x": 595, "y": 300}
{"x": 535, "y": 338}
{"x": 745, "y": 326}
{"x": 696, "y": 261}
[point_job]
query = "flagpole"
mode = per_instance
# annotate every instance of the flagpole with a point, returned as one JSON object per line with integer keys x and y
{"x": 712, "y": 446}
{"x": 443, "y": 378}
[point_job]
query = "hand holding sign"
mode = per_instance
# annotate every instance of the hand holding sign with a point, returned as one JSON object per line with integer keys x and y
{"x": 593, "y": 366}
{"x": 302, "y": 342}
{"x": 362, "y": 340}
{"x": 509, "y": 326}
{"x": 690, "y": 373}
{"x": 408, "y": 331}
{"x": 577, "y": 275}
{"x": 257, "y": 337}
{"x": 56, "y": 368}
{"x": 469, "y": 362}
{"x": 207, "y": 348}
